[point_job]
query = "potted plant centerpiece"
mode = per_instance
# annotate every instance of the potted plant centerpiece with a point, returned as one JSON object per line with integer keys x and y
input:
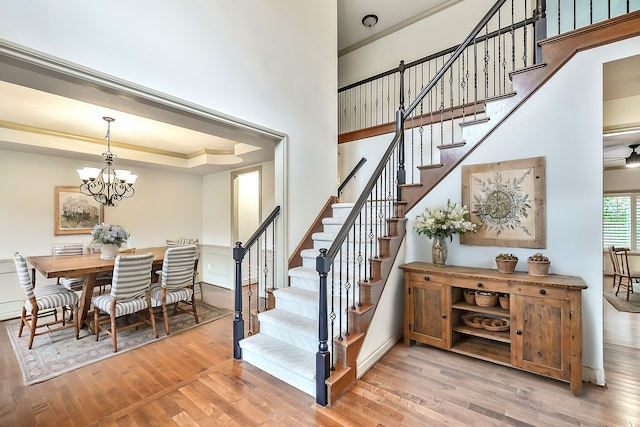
{"x": 440, "y": 224}
{"x": 506, "y": 263}
{"x": 110, "y": 237}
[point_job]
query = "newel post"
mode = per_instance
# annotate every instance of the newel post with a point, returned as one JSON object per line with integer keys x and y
{"x": 323, "y": 364}
{"x": 238, "y": 322}
{"x": 539, "y": 28}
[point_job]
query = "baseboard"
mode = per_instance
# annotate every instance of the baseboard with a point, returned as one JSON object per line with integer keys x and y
{"x": 593, "y": 376}
{"x": 373, "y": 358}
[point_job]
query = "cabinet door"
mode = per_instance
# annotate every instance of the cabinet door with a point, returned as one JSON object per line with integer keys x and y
{"x": 427, "y": 311}
{"x": 541, "y": 335}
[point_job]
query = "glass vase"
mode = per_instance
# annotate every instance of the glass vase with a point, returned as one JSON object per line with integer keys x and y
{"x": 439, "y": 250}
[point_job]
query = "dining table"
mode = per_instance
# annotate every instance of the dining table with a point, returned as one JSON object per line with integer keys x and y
{"x": 88, "y": 266}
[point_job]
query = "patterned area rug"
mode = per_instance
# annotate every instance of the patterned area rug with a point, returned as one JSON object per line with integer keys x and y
{"x": 59, "y": 352}
{"x": 620, "y": 302}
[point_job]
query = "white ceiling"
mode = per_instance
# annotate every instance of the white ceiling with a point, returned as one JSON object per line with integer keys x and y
{"x": 37, "y": 119}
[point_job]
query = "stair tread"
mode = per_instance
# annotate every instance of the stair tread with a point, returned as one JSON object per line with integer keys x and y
{"x": 287, "y": 320}
{"x": 288, "y": 356}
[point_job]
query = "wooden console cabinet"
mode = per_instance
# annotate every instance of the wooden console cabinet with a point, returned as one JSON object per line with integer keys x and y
{"x": 545, "y": 331}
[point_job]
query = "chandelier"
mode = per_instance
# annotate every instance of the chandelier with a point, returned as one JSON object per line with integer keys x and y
{"x": 107, "y": 185}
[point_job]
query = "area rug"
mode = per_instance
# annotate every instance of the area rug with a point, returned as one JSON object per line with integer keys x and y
{"x": 59, "y": 352}
{"x": 620, "y": 302}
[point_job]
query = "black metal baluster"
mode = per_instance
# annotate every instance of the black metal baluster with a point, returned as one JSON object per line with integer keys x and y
{"x": 249, "y": 295}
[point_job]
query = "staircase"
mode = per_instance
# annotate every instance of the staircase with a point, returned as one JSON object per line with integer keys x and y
{"x": 287, "y": 345}
{"x": 288, "y": 338}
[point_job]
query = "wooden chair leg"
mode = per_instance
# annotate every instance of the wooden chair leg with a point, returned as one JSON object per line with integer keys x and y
{"x": 153, "y": 320}
{"x": 193, "y": 305}
{"x": 76, "y": 324}
{"x": 96, "y": 323}
{"x": 23, "y": 319}
{"x": 165, "y": 315}
{"x": 113, "y": 331}
{"x": 34, "y": 323}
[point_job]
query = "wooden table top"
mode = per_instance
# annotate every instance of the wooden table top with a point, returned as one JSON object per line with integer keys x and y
{"x": 79, "y": 265}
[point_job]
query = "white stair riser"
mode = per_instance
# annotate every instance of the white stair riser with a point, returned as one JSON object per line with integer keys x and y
{"x": 277, "y": 370}
{"x": 337, "y": 265}
{"x": 310, "y": 311}
{"x": 305, "y": 342}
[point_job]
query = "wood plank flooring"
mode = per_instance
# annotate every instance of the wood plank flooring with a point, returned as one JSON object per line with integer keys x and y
{"x": 191, "y": 379}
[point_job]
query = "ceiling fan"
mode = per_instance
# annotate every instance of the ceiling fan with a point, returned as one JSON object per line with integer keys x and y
{"x": 633, "y": 161}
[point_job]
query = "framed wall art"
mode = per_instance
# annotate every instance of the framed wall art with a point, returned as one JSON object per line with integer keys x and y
{"x": 75, "y": 213}
{"x": 507, "y": 201}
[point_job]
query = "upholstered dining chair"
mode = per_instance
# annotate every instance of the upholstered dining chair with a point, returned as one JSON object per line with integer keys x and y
{"x": 183, "y": 241}
{"x": 129, "y": 294}
{"x": 66, "y": 249}
{"x": 75, "y": 283}
{"x": 44, "y": 300}
{"x": 627, "y": 277}
{"x": 176, "y": 282}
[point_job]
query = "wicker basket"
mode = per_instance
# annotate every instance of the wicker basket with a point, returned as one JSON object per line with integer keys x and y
{"x": 469, "y": 296}
{"x": 506, "y": 265}
{"x": 539, "y": 268}
{"x": 486, "y": 299}
{"x": 473, "y": 320}
{"x": 496, "y": 325}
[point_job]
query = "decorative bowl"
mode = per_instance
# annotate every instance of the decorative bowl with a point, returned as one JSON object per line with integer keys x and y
{"x": 486, "y": 299}
{"x": 495, "y": 325}
{"x": 473, "y": 320}
{"x": 504, "y": 301}
{"x": 469, "y": 296}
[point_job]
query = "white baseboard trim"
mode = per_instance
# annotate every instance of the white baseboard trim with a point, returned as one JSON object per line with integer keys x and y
{"x": 367, "y": 363}
{"x": 593, "y": 376}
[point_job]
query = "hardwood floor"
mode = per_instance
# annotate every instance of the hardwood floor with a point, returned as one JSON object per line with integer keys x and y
{"x": 191, "y": 379}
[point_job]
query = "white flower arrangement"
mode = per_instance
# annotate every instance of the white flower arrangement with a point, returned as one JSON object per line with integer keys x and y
{"x": 109, "y": 233}
{"x": 444, "y": 222}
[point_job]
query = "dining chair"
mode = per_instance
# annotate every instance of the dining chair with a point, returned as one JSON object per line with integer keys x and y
{"x": 190, "y": 241}
{"x": 44, "y": 301}
{"x": 627, "y": 277}
{"x": 76, "y": 283}
{"x": 67, "y": 249}
{"x": 176, "y": 282}
{"x": 129, "y": 294}
{"x": 615, "y": 264}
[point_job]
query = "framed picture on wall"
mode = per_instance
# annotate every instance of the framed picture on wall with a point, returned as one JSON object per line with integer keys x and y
{"x": 75, "y": 213}
{"x": 507, "y": 201}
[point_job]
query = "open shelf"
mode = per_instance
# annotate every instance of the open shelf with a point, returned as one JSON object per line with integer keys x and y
{"x": 492, "y": 351}
{"x": 483, "y": 333}
{"x": 496, "y": 311}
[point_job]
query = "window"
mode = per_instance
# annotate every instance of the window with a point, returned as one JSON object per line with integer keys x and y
{"x": 620, "y": 218}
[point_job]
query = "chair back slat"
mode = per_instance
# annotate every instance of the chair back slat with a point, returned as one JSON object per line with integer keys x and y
{"x": 623, "y": 258}
{"x": 615, "y": 263}
{"x": 23, "y": 275}
{"x": 178, "y": 265}
{"x": 131, "y": 276}
{"x": 68, "y": 249}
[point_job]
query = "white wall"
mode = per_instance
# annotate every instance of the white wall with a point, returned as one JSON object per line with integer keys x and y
{"x": 218, "y": 264}
{"x": 269, "y": 63}
{"x": 445, "y": 29}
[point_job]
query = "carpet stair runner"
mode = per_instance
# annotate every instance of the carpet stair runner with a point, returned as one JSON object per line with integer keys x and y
{"x": 288, "y": 340}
